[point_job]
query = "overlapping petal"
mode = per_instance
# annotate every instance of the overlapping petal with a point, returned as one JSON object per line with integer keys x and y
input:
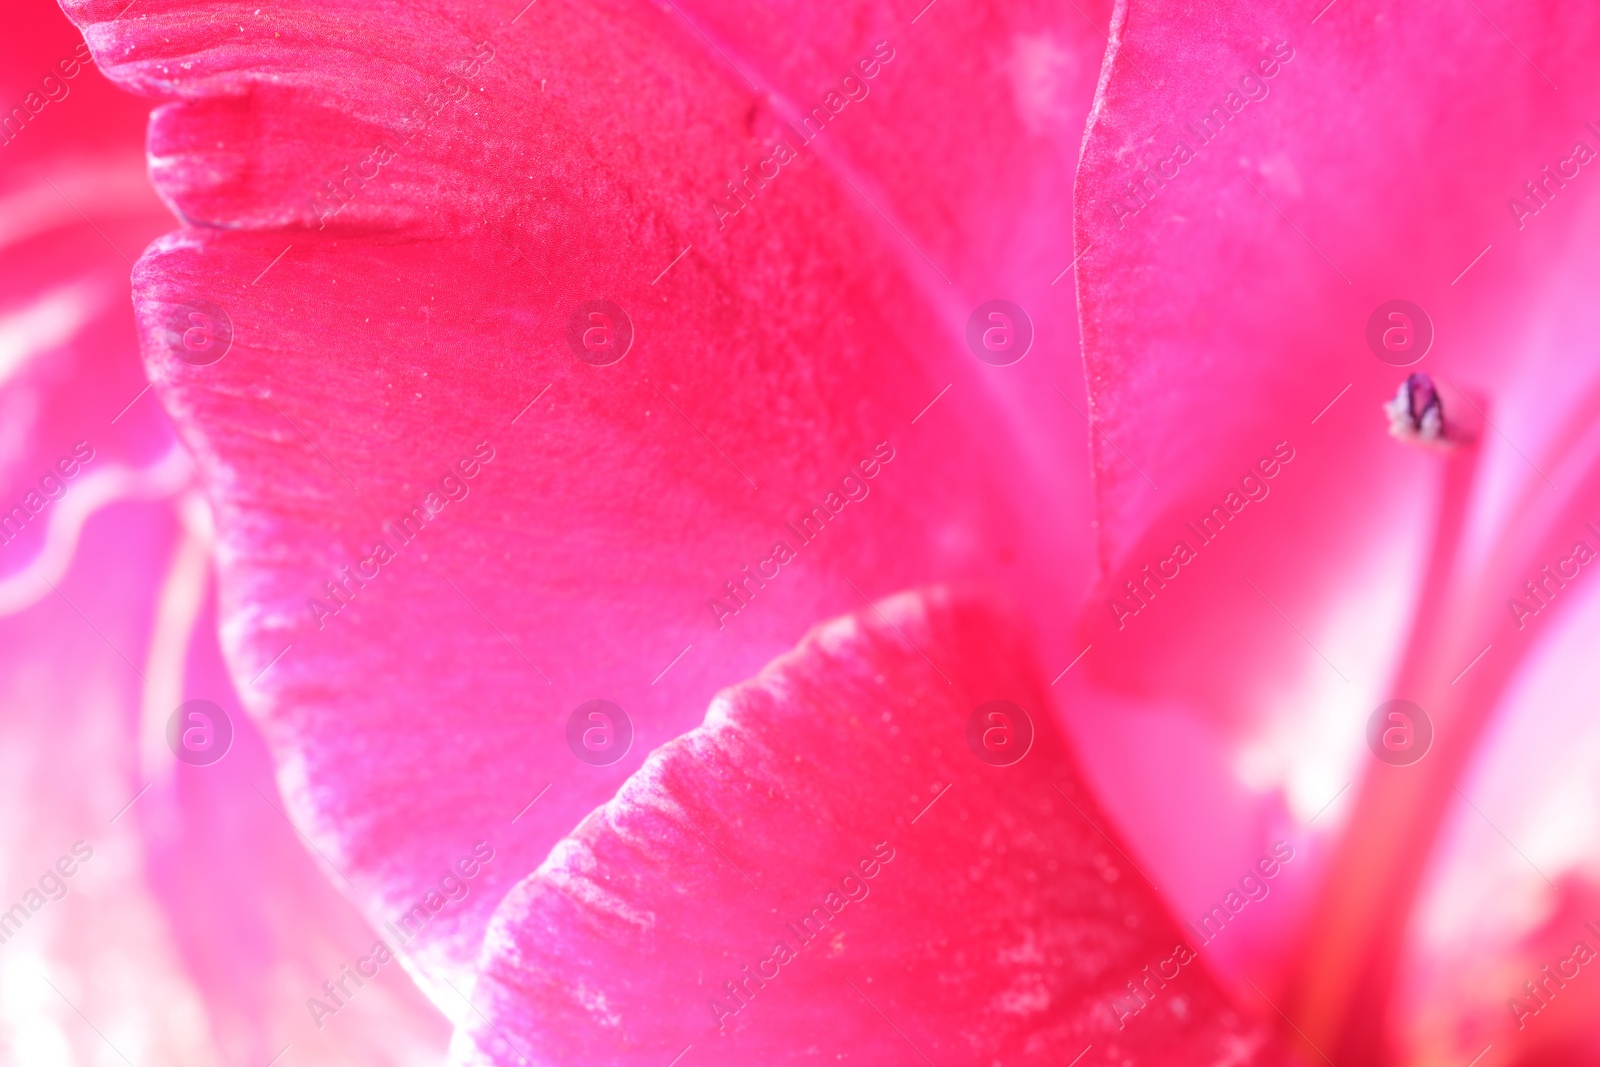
{"x": 445, "y": 522}
{"x": 825, "y": 871}
{"x": 1256, "y": 183}
{"x": 152, "y": 911}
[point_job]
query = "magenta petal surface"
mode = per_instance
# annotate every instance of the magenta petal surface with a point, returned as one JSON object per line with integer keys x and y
{"x": 826, "y": 871}
{"x": 1226, "y": 309}
{"x": 190, "y": 921}
{"x": 1226, "y": 293}
{"x": 453, "y": 505}
{"x": 1251, "y": 199}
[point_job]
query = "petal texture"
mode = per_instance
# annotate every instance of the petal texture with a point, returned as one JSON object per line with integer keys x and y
{"x": 190, "y": 923}
{"x": 452, "y": 505}
{"x": 826, "y": 871}
{"x": 1254, "y": 197}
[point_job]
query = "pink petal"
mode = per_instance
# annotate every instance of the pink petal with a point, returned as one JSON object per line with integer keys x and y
{"x": 802, "y": 349}
{"x": 1229, "y": 314}
{"x": 192, "y": 923}
{"x": 1513, "y": 885}
{"x": 1196, "y": 374}
{"x": 970, "y": 912}
{"x": 997, "y": 95}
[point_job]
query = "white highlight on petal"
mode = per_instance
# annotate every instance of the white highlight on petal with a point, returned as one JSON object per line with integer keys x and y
{"x": 29, "y": 1011}
{"x": 1044, "y": 80}
{"x": 100, "y": 185}
{"x": 178, "y": 608}
{"x": 1320, "y": 748}
{"x": 1534, "y": 813}
{"x": 1535, "y": 783}
{"x": 49, "y": 322}
{"x": 93, "y": 491}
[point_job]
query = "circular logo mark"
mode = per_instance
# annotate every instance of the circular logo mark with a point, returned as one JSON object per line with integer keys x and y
{"x": 999, "y": 732}
{"x": 1399, "y": 733}
{"x": 599, "y": 732}
{"x": 1399, "y": 332}
{"x": 999, "y": 333}
{"x": 199, "y": 333}
{"x": 199, "y": 733}
{"x": 599, "y": 333}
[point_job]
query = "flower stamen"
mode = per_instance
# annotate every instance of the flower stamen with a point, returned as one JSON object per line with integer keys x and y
{"x": 1416, "y": 413}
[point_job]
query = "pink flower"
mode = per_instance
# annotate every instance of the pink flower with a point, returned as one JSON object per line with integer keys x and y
{"x": 553, "y": 374}
{"x": 1255, "y": 197}
{"x": 147, "y": 910}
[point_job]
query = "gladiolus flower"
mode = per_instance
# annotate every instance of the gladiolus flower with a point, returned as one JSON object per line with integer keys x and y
{"x": 556, "y": 374}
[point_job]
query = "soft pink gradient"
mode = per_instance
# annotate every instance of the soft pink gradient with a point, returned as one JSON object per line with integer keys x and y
{"x": 198, "y": 924}
{"x": 1226, "y": 314}
{"x": 401, "y": 714}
